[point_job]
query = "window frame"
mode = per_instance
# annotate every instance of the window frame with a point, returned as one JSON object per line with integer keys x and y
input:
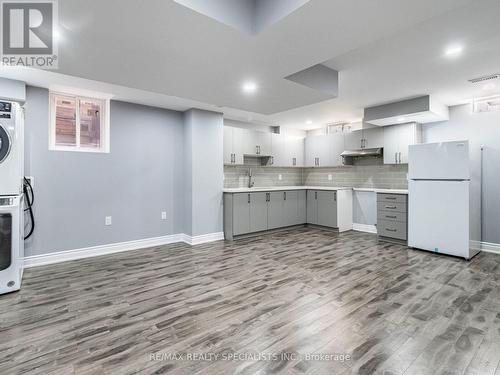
{"x": 104, "y": 123}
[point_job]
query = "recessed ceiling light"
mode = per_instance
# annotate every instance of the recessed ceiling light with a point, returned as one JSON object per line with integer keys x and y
{"x": 249, "y": 87}
{"x": 454, "y": 50}
{"x": 309, "y": 122}
{"x": 401, "y": 119}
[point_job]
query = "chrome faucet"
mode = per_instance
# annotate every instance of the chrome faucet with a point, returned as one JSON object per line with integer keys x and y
{"x": 250, "y": 182}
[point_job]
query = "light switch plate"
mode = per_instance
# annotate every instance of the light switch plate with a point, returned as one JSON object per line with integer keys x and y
{"x": 164, "y": 215}
{"x": 107, "y": 220}
{"x": 280, "y": 177}
{"x": 330, "y": 177}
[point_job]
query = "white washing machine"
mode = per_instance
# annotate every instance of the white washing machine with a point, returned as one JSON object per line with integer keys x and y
{"x": 11, "y": 243}
{"x": 11, "y": 149}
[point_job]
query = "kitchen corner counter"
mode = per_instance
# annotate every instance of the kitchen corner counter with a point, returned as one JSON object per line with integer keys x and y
{"x": 282, "y": 188}
{"x": 383, "y": 191}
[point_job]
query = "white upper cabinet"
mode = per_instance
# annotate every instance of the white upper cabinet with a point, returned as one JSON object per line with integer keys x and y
{"x": 282, "y": 150}
{"x": 278, "y": 150}
{"x": 366, "y": 138}
{"x": 397, "y": 139}
{"x": 257, "y": 143}
{"x": 324, "y": 150}
{"x": 233, "y": 145}
{"x": 373, "y": 138}
{"x": 294, "y": 150}
{"x": 318, "y": 151}
{"x": 287, "y": 151}
{"x": 337, "y": 146}
{"x": 391, "y": 144}
{"x": 354, "y": 140}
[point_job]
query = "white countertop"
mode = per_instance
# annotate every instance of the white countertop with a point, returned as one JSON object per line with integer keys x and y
{"x": 282, "y": 188}
{"x": 388, "y": 191}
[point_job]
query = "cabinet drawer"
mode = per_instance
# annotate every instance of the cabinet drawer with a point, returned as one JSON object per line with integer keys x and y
{"x": 392, "y": 198}
{"x": 392, "y": 229}
{"x": 391, "y": 206}
{"x": 391, "y": 216}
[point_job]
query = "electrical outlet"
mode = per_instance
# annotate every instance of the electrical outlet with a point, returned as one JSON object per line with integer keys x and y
{"x": 330, "y": 177}
{"x": 164, "y": 215}
{"x": 280, "y": 177}
{"x": 107, "y": 220}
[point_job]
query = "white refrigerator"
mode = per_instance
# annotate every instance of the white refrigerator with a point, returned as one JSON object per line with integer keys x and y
{"x": 444, "y": 207}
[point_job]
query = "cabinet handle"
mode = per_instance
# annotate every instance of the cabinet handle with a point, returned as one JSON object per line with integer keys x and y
{"x": 268, "y": 197}
{"x": 390, "y": 230}
{"x": 272, "y": 160}
{"x": 294, "y": 161}
{"x": 396, "y": 157}
{"x": 335, "y": 196}
{"x": 391, "y": 207}
{"x": 248, "y": 198}
{"x": 400, "y": 158}
{"x": 234, "y": 158}
{"x": 315, "y": 195}
{"x": 391, "y": 217}
{"x": 284, "y": 195}
{"x": 390, "y": 198}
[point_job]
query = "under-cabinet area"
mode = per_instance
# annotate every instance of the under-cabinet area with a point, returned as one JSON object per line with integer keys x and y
{"x": 252, "y": 211}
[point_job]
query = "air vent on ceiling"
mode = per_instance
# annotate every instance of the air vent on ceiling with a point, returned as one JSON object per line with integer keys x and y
{"x": 484, "y": 78}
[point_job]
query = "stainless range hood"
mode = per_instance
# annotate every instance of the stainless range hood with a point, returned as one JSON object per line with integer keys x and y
{"x": 362, "y": 152}
{"x": 348, "y": 156}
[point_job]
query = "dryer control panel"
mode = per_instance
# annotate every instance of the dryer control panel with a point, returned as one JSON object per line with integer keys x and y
{"x": 5, "y": 109}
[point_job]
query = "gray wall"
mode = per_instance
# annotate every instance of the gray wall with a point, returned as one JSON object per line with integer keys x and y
{"x": 479, "y": 129}
{"x": 136, "y": 181}
{"x": 203, "y": 172}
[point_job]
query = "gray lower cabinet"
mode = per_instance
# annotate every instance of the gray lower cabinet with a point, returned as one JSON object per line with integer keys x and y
{"x": 392, "y": 216}
{"x": 254, "y": 212}
{"x": 327, "y": 208}
{"x": 312, "y": 207}
{"x": 275, "y": 210}
{"x": 322, "y": 208}
{"x": 258, "y": 212}
{"x": 240, "y": 213}
{"x": 294, "y": 207}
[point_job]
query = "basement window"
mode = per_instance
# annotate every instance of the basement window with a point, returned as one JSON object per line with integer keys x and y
{"x": 78, "y": 123}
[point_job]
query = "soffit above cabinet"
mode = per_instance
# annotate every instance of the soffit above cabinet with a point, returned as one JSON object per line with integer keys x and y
{"x": 423, "y": 109}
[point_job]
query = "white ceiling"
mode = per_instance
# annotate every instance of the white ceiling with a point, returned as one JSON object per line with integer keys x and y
{"x": 161, "y": 53}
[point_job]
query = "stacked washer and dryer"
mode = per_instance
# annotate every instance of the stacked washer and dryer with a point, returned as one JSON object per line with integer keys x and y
{"x": 11, "y": 196}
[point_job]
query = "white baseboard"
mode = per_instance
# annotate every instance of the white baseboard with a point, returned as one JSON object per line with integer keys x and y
{"x": 490, "y": 247}
{"x": 364, "y": 228}
{"x": 87, "y": 252}
{"x": 204, "y": 238}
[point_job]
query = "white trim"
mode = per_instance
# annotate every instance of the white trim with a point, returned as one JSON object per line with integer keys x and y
{"x": 490, "y": 247}
{"x": 364, "y": 228}
{"x": 204, "y": 238}
{"x": 93, "y": 251}
{"x": 105, "y": 125}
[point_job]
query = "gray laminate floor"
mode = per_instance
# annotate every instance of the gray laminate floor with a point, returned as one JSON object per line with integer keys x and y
{"x": 287, "y": 294}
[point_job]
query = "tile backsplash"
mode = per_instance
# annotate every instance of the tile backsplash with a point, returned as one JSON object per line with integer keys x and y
{"x": 237, "y": 176}
{"x": 368, "y": 176}
{"x": 361, "y": 176}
